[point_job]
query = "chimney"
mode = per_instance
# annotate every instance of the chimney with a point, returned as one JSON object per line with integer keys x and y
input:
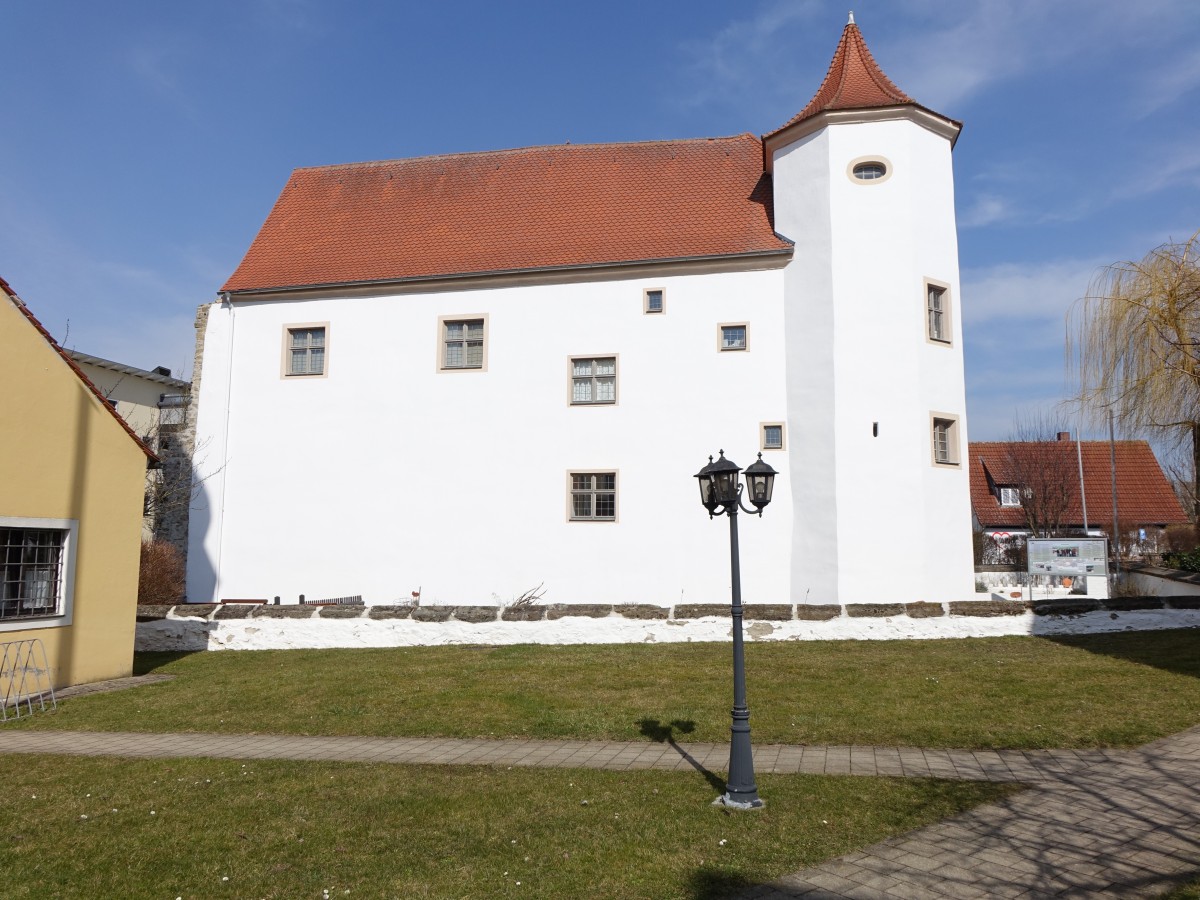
{"x": 1064, "y": 435}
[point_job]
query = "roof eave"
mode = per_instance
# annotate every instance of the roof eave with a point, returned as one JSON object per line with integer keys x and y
{"x": 465, "y": 278}
{"x": 911, "y": 112}
{"x": 128, "y": 370}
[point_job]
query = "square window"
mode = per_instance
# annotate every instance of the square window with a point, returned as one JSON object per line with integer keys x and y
{"x": 734, "y": 336}
{"x": 35, "y": 570}
{"x": 937, "y": 312}
{"x": 1010, "y": 496}
{"x": 593, "y": 380}
{"x": 305, "y": 347}
{"x": 772, "y": 436}
{"x": 593, "y": 496}
{"x": 653, "y": 301}
{"x": 945, "y": 440}
{"x": 463, "y": 343}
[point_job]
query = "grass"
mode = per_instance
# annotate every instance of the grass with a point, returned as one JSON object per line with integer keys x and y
{"x": 1113, "y": 690}
{"x": 1189, "y": 891}
{"x": 215, "y": 828}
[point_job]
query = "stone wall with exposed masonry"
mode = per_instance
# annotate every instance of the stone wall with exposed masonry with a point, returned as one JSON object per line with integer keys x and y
{"x": 262, "y": 627}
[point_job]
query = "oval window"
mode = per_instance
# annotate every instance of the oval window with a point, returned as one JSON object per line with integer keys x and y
{"x": 869, "y": 171}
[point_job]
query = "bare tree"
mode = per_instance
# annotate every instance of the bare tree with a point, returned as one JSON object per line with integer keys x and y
{"x": 1044, "y": 471}
{"x": 1136, "y": 336}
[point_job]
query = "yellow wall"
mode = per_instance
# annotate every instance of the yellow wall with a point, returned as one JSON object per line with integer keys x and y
{"x": 64, "y": 456}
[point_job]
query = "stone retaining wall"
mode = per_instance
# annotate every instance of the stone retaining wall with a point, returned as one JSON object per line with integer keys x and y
{"x": 247, "y": 626}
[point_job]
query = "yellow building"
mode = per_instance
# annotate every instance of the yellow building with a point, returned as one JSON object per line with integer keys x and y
{"x": 72, "y": 479}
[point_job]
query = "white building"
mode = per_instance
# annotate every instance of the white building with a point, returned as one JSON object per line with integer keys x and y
{"x": 471, "y": 375}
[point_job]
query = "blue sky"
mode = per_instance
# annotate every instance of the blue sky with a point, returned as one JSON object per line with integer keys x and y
{"x": 145, "y": 142}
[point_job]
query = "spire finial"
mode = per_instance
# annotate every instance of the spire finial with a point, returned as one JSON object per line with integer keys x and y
{"x": 851, "y": 22}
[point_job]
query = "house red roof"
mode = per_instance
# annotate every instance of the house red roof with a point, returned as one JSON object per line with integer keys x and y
{"x": 508, "y": 210}
{"x": 41, "y": 329}
{"x": 1144, "y": 496}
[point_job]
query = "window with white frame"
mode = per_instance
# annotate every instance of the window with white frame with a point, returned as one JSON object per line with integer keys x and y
{"x": 945, "y": 440}
{"x": 34, "y": 568}
{"x": 772, "y": 436}
{"x": 937, "y": 312}
{"x": 593, "y": 380}
{"x": 463, "y": 342}
{"x": 653, "y": 300}
{"x": 305, "y": 350}
{"x": 593, "y": 496}
{"x": 1010, "y": 496}
{"x": 735, "y": 336}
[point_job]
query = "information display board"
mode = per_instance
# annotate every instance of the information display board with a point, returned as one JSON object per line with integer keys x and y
{"x": 1068, "y": 556}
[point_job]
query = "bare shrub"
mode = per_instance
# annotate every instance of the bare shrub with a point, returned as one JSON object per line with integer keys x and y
{"x": 1182, "y": 538}
{"x": 162, "y": 577}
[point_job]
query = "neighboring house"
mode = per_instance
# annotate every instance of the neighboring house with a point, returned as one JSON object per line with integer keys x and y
{"x": 155, "y": 406}
{"x": 1145, "y": 500}
{"x": 72, "y": 477}
{"x": 478, "y": 373}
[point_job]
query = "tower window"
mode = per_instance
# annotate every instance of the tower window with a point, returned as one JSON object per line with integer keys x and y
{"x": 869, "y": 170}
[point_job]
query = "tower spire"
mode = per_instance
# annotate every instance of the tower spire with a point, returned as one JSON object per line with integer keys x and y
{"x": 855, "y": 81}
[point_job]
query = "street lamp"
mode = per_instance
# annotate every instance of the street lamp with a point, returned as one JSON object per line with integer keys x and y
{"x": 721, "y": 492}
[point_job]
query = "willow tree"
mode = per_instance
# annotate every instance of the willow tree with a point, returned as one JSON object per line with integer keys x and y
{"x": 1136, "y": 338}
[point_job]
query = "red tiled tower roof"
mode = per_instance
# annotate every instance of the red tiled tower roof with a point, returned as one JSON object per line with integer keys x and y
{"x": 511, "y": 210}
{"x": 854, "y": 81}
{"x": 1144, "y": 496}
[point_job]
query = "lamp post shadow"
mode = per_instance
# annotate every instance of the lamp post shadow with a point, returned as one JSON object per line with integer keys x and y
{"x": 660, "y": 733}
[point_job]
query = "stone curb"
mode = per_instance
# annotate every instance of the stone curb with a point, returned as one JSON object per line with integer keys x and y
{"x": 753, "y": 612}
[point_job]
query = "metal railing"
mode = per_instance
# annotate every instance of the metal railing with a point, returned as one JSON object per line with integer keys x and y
{"x": 24, "y": 679}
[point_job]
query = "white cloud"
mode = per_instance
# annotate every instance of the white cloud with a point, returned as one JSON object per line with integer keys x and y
{"x": 730, "y": 64}
{"x": 1171, "y": 165}
{"x": 987, "y": 209}
{"x": 1038, "y": 293}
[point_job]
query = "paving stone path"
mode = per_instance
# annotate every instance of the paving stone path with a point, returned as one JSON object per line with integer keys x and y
{"x": 1095, "y": 823}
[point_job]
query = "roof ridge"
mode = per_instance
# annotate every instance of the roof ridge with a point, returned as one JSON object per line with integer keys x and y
{"x": 475, "y": 154}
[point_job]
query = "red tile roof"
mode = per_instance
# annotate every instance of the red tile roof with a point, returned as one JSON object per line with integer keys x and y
{"x": 854, "y": 81}
{"x": 511, "y": 210}
{"x": 41, "y": 329}
{"x": 1144, "y": 496}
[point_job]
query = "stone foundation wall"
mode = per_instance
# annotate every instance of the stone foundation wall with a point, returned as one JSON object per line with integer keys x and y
{"x": 247, "y": 626}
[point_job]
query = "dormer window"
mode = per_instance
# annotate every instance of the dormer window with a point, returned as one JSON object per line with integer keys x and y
{"x": 1010, "y": 496}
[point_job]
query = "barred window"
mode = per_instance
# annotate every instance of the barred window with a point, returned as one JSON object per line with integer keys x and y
{"x": 463, "y": 344}
{"x": 594, "y": 380}
{"x": 31, "y": 572}
{"x": 593, "y": 496}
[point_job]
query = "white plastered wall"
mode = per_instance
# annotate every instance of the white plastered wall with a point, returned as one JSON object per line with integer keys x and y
{"x": 874, "y": 514}
{"x": 387, "y": 476}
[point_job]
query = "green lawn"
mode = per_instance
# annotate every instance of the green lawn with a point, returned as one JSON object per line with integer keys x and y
{"x": 1116, "y": 690}
{"x": 179, "y": 828}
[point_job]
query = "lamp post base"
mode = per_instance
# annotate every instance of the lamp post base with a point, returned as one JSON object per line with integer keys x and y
{"x": 729, "y": 802}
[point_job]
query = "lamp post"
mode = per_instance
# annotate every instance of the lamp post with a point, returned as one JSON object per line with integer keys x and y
{"x": 721, "y": 492}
